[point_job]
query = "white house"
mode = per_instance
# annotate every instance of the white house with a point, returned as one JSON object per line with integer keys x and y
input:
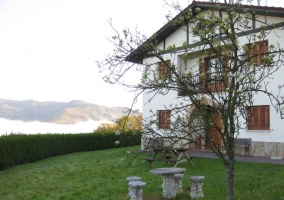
{"x": 266, "y": 127}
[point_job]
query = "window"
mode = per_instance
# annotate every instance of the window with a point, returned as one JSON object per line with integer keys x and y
{"x": 215, "y": 69}
{"x": 258, "y": 118}
{"x": 257, "y": 51}
{"x": 164, "y": 119}
{"x": 164, "y": 70}
{"x": 214, "y": 78}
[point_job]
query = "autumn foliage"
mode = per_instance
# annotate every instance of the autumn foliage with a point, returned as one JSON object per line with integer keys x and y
{"x": 125, "y": 123}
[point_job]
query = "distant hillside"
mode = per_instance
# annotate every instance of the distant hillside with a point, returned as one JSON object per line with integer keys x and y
{"x": 57, "y": 112}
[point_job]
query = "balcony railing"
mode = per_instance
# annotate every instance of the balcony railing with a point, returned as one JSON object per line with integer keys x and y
{"x": 192, "y": 86}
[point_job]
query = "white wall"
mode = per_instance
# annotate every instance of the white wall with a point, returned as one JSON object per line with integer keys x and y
{"x": 260, "y": 19}
{"x": 177, "y": 38}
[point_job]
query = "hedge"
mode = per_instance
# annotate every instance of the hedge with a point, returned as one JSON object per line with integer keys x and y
{"x": 20, "y": 148}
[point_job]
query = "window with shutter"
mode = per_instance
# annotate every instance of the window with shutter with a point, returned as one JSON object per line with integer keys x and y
{"x": 164, "y": 119}
{"x": 215, "y": 75}
{"x": 258, "y": 118}
{"x": 257, "y": 51}
{"x": 164, "y": 70}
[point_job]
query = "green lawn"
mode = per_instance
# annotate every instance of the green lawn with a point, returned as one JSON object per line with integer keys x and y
{"x": 101, "y": 175}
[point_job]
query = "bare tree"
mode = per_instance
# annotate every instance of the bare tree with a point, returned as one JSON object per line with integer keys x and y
{"x": 217, "y": 77}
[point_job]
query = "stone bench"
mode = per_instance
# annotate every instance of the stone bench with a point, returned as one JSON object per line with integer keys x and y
{"x": 243, "y": 143}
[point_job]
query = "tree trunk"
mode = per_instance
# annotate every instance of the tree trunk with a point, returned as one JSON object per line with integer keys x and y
{"x": 230, "y": 168}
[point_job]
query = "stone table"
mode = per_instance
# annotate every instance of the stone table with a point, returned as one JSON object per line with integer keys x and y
{"x": 169, "y": 189}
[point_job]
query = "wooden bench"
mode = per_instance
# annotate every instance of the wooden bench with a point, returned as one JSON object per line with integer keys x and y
{"x": 243, "y": 143}
{"x": 163, "y": 158}
{"x": 169, "y": 155}
{"x": 150, "y": 160}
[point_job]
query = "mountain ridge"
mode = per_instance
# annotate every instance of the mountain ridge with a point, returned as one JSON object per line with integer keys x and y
{"x": 57, "y": 112}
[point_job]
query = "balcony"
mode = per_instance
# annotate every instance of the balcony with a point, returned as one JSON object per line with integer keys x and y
{"x": 192, "y": 86}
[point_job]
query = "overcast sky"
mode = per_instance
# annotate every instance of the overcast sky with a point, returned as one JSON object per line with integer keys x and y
{"x": 48, "y": 48}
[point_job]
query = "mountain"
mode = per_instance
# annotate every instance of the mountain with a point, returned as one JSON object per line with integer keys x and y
{"x": 57, "y": 112}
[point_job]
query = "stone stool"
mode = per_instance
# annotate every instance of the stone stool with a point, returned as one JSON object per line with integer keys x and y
{"x": 136, "y": 190}
{"x": 196, "y": 186}
{"x": 178, "y": 182}
{"x": 132, "y": 178}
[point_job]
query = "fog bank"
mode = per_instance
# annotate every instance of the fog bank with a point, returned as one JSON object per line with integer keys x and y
{"x": 13, "y": 126}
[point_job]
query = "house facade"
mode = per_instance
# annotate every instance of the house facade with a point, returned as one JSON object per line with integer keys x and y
{"x": 264, "y": 124}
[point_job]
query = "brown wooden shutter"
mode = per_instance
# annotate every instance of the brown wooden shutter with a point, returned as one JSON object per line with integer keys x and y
{"x": 161, "y": 116}
{"x": 168, "y": 71}
{"x": 168, "y": 119}
{"x": 250, "y": 118}
{"x": 255, "y": 115}
{"x": 202, "y": 70}
{"x": 225, "y": 71}
{"x": 254, "y": 53}
{"x": 262, "y": 49}
{"x": 250, "y": 54}
{"x": 259, "y": 118}
{"x": 164, "y": 119}
{"x": 264, "y": 118}
{"x": 164, "y": 70}
{"x": 257, "y": 52}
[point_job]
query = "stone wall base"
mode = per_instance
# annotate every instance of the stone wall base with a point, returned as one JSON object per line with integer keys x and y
{"x": 263, "y": 149}
{"x": 259, "y": 149}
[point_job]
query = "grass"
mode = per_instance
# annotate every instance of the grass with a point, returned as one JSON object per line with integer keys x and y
{"x": 101, "y": 175}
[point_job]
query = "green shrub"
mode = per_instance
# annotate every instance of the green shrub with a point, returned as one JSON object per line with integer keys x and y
{"x": 19, "y": 149}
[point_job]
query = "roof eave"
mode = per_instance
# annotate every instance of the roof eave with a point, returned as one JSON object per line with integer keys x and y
{"x": 137, "y": 56}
